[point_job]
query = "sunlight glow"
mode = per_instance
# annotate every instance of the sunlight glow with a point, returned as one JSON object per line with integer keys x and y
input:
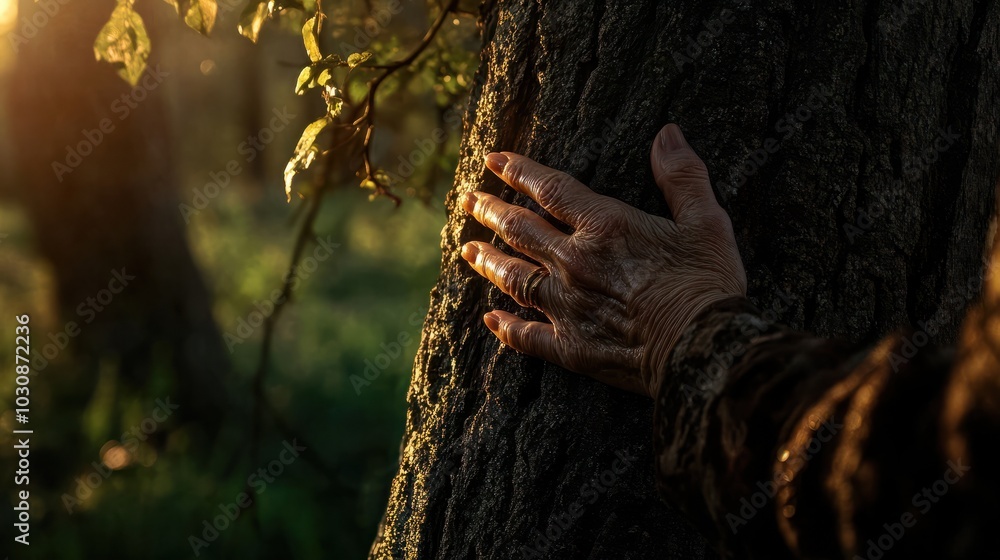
{"x": 8, "y": 14}
{"x": 115, "y": 456}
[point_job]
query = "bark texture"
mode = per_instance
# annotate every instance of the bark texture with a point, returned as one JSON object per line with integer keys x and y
{"x": 836, "y": 218}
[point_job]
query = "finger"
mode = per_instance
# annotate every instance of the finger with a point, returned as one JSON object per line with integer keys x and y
{"x": 682, "y": 176}
{"x": 512, "y": 275}
{"x": 529, "y": 337}
{"x": 519, "y": 227}
{"x": 539, "y": 340}
{"x": 561, "y": 195}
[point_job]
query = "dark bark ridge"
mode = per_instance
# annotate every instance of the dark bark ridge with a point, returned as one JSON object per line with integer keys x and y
{"x": 499, "y": 446}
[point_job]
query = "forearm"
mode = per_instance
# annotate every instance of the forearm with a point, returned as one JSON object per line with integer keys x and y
{"x": 784, "y": 445}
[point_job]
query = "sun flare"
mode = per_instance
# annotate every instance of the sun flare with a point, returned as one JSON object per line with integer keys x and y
{"x": 8, "y": 13}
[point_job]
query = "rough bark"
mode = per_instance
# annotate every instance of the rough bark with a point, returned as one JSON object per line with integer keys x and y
{"x": 497, "y": 444}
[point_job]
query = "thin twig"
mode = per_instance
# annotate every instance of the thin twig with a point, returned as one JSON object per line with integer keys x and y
{"x": 389, "y": 69}
{"x": 306, "y": 233}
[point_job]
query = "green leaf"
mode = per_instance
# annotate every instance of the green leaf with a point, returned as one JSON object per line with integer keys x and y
{"x": 324, "y": 77}
{"x": 357, "y": 59}
{"x": 197, "y": 14}
{"x": 310, "y": 37}
{"x": 123, "y": 42}
{"x": 201, "y": 16}
{"x": 305, "y": 154}
{"x": 253, "y": 18}
{"x": 334, "y": 103}
{"x": 305, "y": 80}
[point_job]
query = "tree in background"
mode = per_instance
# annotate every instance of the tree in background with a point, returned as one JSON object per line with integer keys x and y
{"x": 98, "y": 180}
{"x": 855, "y": 147}
{"x": 102, "y": 161}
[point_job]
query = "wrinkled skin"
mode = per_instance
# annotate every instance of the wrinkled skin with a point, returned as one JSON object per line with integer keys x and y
{"x": 621, "y": 289}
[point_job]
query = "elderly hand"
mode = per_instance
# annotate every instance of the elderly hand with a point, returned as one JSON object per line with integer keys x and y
{"x": 620, "y": 290}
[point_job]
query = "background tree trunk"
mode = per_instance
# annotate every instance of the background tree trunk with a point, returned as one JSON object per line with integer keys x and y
{"x": 117, "y": 210}
{"x": 838, "y": 219}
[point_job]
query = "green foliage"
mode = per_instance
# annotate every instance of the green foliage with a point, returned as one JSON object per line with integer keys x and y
{"x": 197, "y": 14}
{"x": 358, "y": 301}
{"x": 357, "y": 59}
{"x": 124, "y": 43}
{"x": 345, "y": 81}
{"x": 310, "y": 36}
{"x": 253, "y": 18}
{"x": 305, "y": 153}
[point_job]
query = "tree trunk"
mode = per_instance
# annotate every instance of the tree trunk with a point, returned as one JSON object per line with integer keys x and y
{"x": 110, "y": 213}
{"x": 811, "y": 117}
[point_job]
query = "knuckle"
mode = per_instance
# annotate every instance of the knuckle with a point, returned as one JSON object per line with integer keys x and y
{"x": 683, "y": 165}
{"x": 550, "y": 187}
{"x": 508, "y": 273}
{"x": 511, "y": 334}
{"x": 514, "y": 170}
{"x": 509, "y": 221}
{"x": 528, "y": 339}
{"x": 717, "y": 221}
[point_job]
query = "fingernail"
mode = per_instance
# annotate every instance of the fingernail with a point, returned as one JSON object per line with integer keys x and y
{"x": 470, "y": 251}
{"x": 469, "y": 201}
{"x": 671, "y": 138}
{"x": 496, "y": 162}
{"x": 492, "y": 321}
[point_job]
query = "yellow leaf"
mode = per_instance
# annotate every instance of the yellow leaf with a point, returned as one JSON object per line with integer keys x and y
{"x": 123, "y": 42}
{"x": 310, "y": 37}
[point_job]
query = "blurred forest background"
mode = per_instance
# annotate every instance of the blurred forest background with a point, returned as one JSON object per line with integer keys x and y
{"x": 346, "y": 315}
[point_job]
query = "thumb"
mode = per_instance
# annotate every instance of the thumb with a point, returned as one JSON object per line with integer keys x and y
{"x": 681, "y": 175}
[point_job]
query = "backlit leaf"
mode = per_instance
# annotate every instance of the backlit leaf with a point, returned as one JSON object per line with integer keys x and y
{"x": 358, "y": 59}
{"x": 123, "y": 42}
{"x": 305, "y": 154}
{"x": 197, "y": 14}
{"x": 304, "y": 81}
{"x": 324, "y": 77}
{"x": 310, "y": 37}
{"x": 253, "y": 18}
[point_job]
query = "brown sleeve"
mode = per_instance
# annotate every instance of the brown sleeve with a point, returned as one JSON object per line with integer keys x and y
{"x": 779, "y": 444}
